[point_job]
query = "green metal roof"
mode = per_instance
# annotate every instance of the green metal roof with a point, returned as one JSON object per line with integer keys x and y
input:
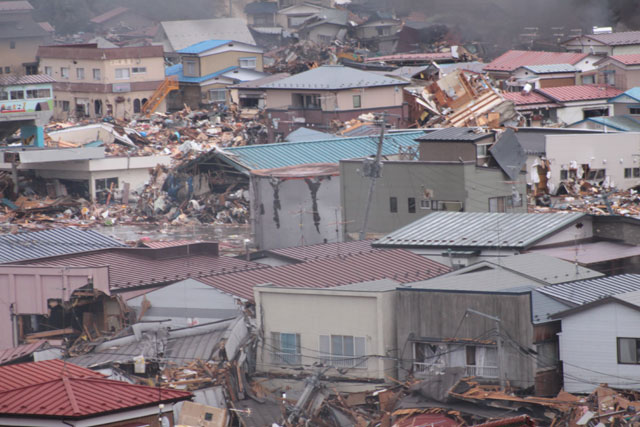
{"x": 271, "y": 156}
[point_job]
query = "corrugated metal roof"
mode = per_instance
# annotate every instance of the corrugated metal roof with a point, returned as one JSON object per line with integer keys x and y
{"x": 632, "y": 297}
{"x": 306, "y": 134}
{"x": 271, "y": 156}
{"x": 551, "y": 68}
{"x": 323, "y": 250}
{"x": 399, "y": 265}
{"x": 514, "y": 59}
{"x": 136, "y": 267}
{"x": 545, "y": 268}
{"x": 617, "y": 39}
{"x": 519, "y": 98}
{"x": 495, "y": 280}
{"x": 579, "y": 92}
{"x": 478, "y": 230}
{"x": 156, "y": 244}
{"x": 592, "y": 252}
{"x": 370, "y": 286}
{"x": 400, "y": 57}
{"x": 543, "y": 307}
{"x": 255, "y": 84}
{"x": 333, "y": 77}
{"x": 455, "y": 134}
{"x": 73, "y": 398}
{"x": 11, "y": 354}
{"x": 32, "y": 79}
{"x": 181, "y": 34}
{"x": 57, "y": 241}
{"x": 620, "y": 123}
{"x": 177, "y": 70}
{"x": 584, "y": 291}
{"x": 633, "y": 93}
{"x": 26, "y": 374}
{"x": 204, "y": 46}
{"x": 179, "y": 346}
{"x": 301, "y": 171}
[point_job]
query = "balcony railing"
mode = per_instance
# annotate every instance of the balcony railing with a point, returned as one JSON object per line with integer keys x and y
{"x": 281, "y": 358}
{"x": 345, "y": 361}
{"x": 426, "y": 369}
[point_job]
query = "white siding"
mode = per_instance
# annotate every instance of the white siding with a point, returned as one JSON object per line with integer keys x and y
{"x": 588, "y": 344}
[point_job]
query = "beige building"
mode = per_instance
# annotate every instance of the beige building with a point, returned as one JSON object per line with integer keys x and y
{"x": 20, "y": 37}
{"x": 96, "y": 82}
{"x": 349, "y": 329}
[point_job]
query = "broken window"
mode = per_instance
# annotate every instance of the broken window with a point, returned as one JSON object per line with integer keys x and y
{"x": 393, "y": 204}
{"x": 629, "y": 350}
{"x": 596, "y": 174}
{"x": 343, "y": 351}
{"x": 104, "y": 186}
{"x": 285, "y": 348}
{"x": 433, "y": 358}
{"x": 411, "y": 204}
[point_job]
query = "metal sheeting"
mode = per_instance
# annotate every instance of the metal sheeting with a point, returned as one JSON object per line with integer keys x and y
{"x": 323, "y": 250}
{"x": 271, "y": 156}
{"x": 478, "y": 230}
{"x": 455, "y": 134}
{"x": 551, "y": 68}
{"x": 26, "y": 374}
{"x": 57, "y": 241}
{"x": 20, "y": 351}
{"x": 509, "y": 154}
{"x": 585, "y": 291}
{"x": 334, "y": 77}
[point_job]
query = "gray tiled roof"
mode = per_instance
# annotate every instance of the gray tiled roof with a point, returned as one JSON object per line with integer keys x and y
{"x": 478, "y": 230}
{"x": 57, "y": 241}
{"x": 585, "y": 291}
{"x": 333, "y": 77}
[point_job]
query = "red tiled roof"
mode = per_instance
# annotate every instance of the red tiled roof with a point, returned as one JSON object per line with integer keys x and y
{"x": 323, "y": 250}
{"x": 411, "y": 57}
{"x": 108, "y": 15}
{"x": 27, "y": 374}
{"x": 10, "y": 354}
{"x": 580, "y": 92}
{"x": 73, "y": 397}
{"x": 514, "y": 59}
{"x": 629, "y": 59}
{"x": 519, "y": 98}
{"x": 26, "y": 80}
{"x": 136, "y": 267}
{"x": 47, "y": 27}
{"x": 397, "y": 264}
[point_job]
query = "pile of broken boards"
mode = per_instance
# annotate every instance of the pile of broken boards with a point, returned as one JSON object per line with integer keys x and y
{"x": 589, "y": 197}
{"x": 306, "y": 54}
{"x": 467, "y": 402}
{"x": 181, "y": 198}
{"x": 461, "y": 99}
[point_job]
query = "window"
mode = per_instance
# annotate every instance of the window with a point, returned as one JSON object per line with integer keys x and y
{"x": 356, "y": 101}
{"x": 497, "y": 204}
{"x": 248, "y": 63}
{"x": 7, "y": 70}
{"x": 80, "y": 73}
{"x": 12, "y": 44}
{"x": 122, "y": 73}
{"x": 65, "y": 105}
{"x": 609, "y": 77}
{"x": 432, "y": 358}
{"x": 634, "y": 110}
{"x": 300, "y": 100}
{"x": 632, "y": 172}
{"x": 0, "y": 70}
{"x": 217, "y": 95}
{"x": 629, "y": 350}
{"x": 596, "y": 174}
{"x": 17, "y": 94}
{"x": 38, "y": 93}
{"x": 425, "y": 204}
{"x": 138, "y": 70}
{"x": 64, "y": 72}
{"x": 324, "y": 39}
{"x": 595, "y": 112}
{"x": 4, "y": 95}
{"x": 343, "y": 351}
{"x": 189, "y": 68}
{"x": 482, "y": 150}
{"x": 285, "y": 348}
{"x": 393, "y": 204}
{"x": 96, "y": 74}
{"x": 411, "y": 204}
{"x": 31, "y": 69}
{"x": 588, "y": 80}
{"x": 48, "y": 70}
{"x": 103, "y": 185}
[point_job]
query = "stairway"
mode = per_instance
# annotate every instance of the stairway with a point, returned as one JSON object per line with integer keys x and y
{"x": 168, "y": 85}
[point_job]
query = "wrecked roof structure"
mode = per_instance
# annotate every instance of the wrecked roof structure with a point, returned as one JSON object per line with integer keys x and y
{"x": 54, "y": 242}
{"x": 471, "y": 230}
{"x": 513, "y": 59}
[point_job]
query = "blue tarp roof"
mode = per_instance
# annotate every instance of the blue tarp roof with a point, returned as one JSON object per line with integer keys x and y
{"x": 176, "y": 70}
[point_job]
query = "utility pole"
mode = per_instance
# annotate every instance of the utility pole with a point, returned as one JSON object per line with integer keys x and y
{"x": 374, "y": 173}
{"x": 498, "y": 342}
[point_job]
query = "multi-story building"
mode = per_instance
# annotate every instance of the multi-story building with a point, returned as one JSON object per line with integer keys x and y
{"x": 96, "y": 82}
{"x": 20, "y": 37}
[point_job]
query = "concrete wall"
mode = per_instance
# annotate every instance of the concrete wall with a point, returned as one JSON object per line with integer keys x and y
{"x": 288, "y": 213}
{"x": 611, "y": 151}
{"x": 437, "y": 314}
{"x": 315, "y": 312}
{"x": 24, "y": 52}
{"x": 445, "y": 182}
{"x": 588, "y": 343}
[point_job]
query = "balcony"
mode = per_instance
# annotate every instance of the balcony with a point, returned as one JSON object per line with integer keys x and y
{"x": 292, "y": 359}
{"x": 345, "y": 361}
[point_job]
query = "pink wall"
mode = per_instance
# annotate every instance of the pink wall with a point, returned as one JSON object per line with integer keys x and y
{"x": 29, "y": 288}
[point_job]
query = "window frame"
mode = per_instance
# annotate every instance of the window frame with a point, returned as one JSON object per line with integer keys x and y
{"x": 80, "y": 73}
{"x": 64, "y": 72}
{"x": 48, "y": 70}
{"x": 393, "y": 204}
{"x": 358, "y": 357}
{"x": 120, "y": 71}
{"x": 138, "y": 70}
{"x": 97, "y": 74}
{"x": 359, "y": 103}
{"x": 278, "y": 352}
{"x": 248, "y": 61}
{"x": 411, "y": 205}
{"x": 217, "y": 99}
{"x": 618, "y": 340}
{"x": 20, "y": 97}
